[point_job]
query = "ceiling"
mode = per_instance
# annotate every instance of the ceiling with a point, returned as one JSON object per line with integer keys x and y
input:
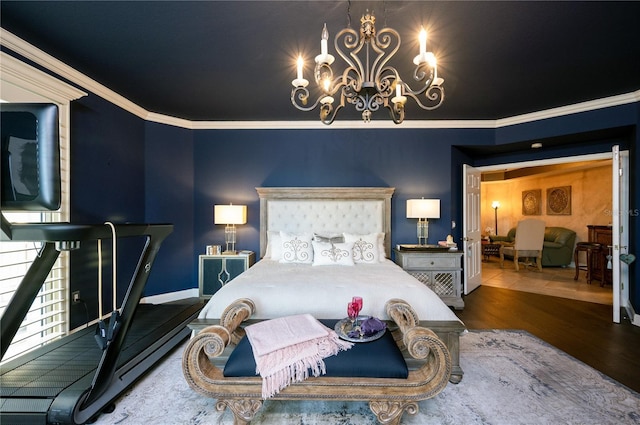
{"x": 234, "y": 60}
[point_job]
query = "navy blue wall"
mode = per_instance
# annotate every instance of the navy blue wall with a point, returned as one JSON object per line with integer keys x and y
{"x": 125, "y": 169}
{"x": 230, "y": 164}
{"x": 169, "y": 199}
{"x": 107, "y": 184}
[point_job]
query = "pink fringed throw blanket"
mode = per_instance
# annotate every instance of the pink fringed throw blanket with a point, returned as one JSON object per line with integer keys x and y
{"x": 286, "y": 348}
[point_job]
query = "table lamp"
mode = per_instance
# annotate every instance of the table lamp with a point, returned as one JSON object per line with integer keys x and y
{"x": 423, "y": 210}
{"x": 230, "y": 215}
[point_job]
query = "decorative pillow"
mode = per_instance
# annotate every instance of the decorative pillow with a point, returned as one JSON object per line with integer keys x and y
{"x": 365, "y": 247}
{"x": 274, "y": 246}
{"x": 296, "y": 248}
{"x": 333, "y": 238}
{"x": 327, "y": 254}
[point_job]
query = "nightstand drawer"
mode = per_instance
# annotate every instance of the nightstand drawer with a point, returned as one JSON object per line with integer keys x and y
{"x": 433, "y": 262}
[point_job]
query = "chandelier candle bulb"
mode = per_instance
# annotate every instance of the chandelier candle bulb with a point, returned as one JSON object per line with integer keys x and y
{"x": 300, "y": 81}
{"x": 423, "y": 41}
{"x": 323, "y": 41}
{"x": 300, "y": 64}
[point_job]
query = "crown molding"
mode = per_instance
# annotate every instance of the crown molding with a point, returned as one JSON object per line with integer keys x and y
{"x": 591, "y": 105}
{"x": 54, "y": 65}
{"x": 317, "y": 125}
{"x": 63, "y": 70}
{"x": 21, "y": 75}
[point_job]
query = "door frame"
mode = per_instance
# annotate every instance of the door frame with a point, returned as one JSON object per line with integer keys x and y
{"x": 623, "y": 302}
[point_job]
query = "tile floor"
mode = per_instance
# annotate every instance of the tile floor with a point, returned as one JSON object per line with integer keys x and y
{"x": 555, "y": 281}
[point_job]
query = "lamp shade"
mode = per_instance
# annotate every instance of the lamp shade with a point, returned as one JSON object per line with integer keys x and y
{"x": 229, "y": 214}
{"x": 423, "y": 208}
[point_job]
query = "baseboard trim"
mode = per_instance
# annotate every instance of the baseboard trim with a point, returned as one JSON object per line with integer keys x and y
{"x": 170, "y": 296}
{"x": 633, "y": 315}
{"x": 627, "y": 311}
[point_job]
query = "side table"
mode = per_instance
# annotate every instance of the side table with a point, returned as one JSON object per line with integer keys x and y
{"x": 489, "y": 249}
{"x": 215, "y": 271}
{"x": 441, "y": 271}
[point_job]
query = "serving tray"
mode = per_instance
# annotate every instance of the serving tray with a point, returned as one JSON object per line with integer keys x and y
{"x": 343, "y": 327}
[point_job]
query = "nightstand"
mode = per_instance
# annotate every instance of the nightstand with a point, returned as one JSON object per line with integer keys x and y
{"x": 215, "y": 271}
{"x": 440, "y": 271}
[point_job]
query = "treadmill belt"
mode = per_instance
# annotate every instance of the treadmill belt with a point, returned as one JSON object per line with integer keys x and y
{"x": 30, "y": 383}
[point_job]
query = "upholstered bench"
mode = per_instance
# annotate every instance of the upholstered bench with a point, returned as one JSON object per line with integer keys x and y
{"x": 375, "y": 359}
{"x": 354, "y": 375}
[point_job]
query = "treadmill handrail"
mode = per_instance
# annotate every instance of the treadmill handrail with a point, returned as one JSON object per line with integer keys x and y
{"x": 60, "y": 232}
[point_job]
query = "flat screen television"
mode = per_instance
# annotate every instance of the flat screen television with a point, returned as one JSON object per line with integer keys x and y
{"x": 30, "y": 156}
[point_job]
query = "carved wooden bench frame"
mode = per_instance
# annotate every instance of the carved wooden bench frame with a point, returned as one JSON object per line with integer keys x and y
{"x": 428, "y": 358}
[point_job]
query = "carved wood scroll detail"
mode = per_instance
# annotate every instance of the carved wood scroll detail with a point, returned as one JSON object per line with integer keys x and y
{"x": 388, "y": 398}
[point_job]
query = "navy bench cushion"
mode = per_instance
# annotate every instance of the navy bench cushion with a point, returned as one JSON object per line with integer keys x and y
{"x": 376, "y": 359}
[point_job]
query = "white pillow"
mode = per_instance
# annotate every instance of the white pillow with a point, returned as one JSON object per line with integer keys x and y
{"x": 274, "y": 246}
{"x": 327, "y": 254}
{"x": 296, "y": 248}
{"x": 365, "y": 247}
{"x": 381, "y": 251}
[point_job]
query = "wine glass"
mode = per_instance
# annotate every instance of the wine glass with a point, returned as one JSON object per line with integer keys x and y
{"x": 352, "y": 312}
{"x": 358, "y": 302}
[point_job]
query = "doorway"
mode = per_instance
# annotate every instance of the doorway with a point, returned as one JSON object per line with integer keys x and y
{"x": 553, "y": 166}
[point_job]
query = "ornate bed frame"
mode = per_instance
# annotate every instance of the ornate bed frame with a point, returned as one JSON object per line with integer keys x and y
{"x": 430, "y": 348}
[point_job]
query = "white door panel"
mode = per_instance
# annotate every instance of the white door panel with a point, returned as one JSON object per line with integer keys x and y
{"x": 472, "y": 240}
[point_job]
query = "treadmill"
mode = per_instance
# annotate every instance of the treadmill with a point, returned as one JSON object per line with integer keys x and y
{"x": 73, "y": 379}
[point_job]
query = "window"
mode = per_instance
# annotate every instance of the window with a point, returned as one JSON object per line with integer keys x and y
{"x": 48, "y": 316}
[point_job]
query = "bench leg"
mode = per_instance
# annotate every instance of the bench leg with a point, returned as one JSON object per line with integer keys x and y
{"x": 390, "y": 412}
{"x": 243, "y": 410}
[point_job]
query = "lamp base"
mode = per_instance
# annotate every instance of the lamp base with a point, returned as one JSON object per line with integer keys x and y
{"x": 423, "y": 231}
{"x": 228, "y": 252}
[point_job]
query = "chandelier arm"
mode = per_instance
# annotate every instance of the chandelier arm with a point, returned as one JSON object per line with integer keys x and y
{"x": 301, "y": 94}
{"x": 396, "y": 112}
{"x": 434, "y": 94}
{"x": 424, "y": 72}
{"x": 328, "y": 113}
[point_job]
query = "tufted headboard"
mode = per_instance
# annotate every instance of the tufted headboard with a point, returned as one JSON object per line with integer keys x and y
{"x": 359, "y": 210}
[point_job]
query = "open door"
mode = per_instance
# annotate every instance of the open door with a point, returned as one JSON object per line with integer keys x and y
{"x": 620, "y": 232}
{"x": 472, "y": 240}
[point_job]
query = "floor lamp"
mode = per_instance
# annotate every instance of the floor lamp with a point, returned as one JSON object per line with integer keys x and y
{"x": 495, "y": 205}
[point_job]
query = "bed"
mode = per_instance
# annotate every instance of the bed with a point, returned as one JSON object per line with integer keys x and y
{"x": 279, "y": 285}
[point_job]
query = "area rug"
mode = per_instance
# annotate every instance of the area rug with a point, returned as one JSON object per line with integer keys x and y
{"x": 510, "y": 377}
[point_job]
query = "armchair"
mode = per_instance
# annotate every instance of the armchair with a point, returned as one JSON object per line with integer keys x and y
{"x": 528, "y": 243}
{"x": 557, "y": 248}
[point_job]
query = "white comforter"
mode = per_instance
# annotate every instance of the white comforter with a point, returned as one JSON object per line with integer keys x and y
{"x": 324, "y": 291}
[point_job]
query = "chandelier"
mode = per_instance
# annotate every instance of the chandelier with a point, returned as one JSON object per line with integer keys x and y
{"x": 367, "y": 82}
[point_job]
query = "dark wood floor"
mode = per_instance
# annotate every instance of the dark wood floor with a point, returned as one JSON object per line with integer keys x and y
{"x": 582, "y": 329}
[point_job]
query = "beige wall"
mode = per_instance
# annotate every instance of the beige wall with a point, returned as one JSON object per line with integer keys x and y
{"x": 590, "y": 200}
